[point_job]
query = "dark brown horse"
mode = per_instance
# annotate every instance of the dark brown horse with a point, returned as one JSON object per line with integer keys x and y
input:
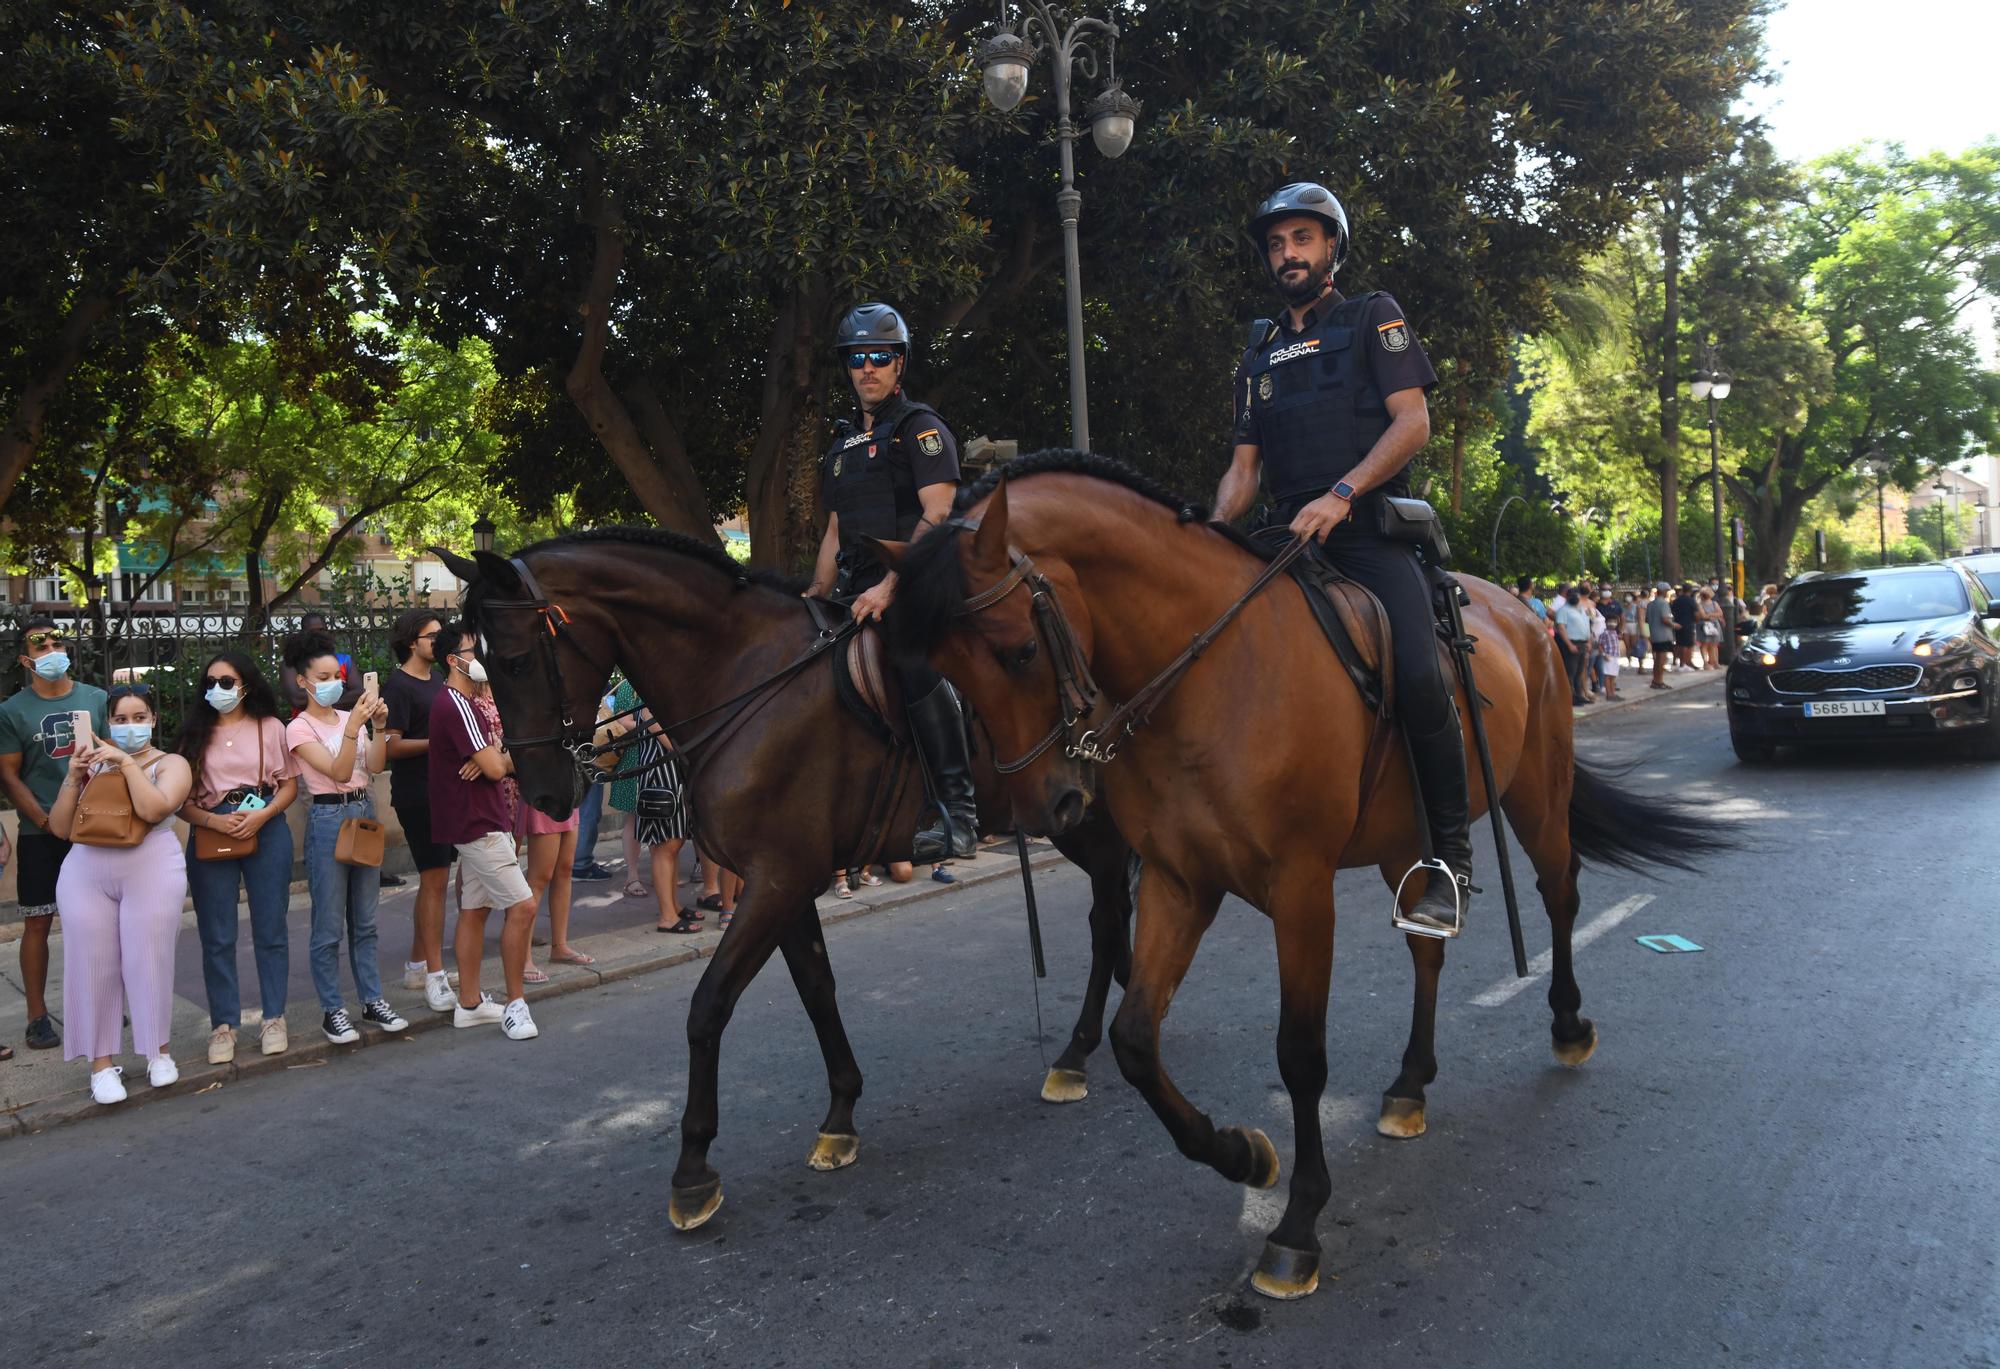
{"x": 1064, "y": 586}
{"x": 788, "y": 782}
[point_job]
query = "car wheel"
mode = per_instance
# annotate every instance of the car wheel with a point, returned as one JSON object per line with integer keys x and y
{"x": 1986, "y": 746}
{"x": 1751, "y": 752}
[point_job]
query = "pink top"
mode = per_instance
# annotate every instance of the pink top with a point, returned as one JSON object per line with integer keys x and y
{"x": 303, "y": 729}
{"x": 231, "y": 759}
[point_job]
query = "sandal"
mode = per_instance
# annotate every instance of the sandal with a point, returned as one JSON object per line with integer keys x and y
{"x": 840, "y": 889}
{"x": 574, "y": 957}
{"x": 634, "y": 889}
{"x": 531, "y": 975}
{"x": 6, "y": 1052}
{"x": 870, "y": 878}
{"x": 709, "y": 902}
{"x": 688, "y": 924}
{"x": 727, "y": 916}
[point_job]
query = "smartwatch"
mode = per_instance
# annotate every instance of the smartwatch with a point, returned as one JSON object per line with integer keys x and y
{"x": 1343, "y": 489}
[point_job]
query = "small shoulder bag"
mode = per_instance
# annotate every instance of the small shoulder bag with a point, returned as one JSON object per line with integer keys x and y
{"x": 212, "y": 843}
{"x": 104, "y": 815}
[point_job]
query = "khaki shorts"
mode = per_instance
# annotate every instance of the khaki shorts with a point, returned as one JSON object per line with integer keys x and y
{"x": 489, "y": 875}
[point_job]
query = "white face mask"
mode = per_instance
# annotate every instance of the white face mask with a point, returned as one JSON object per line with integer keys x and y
{"x": 474, "y": 671}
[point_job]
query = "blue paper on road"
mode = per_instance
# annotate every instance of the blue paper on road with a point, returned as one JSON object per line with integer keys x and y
{"x": 1666, "y": 943}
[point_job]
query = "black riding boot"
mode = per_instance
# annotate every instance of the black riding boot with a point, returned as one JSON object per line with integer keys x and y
{"x": 1441, "y": 773}
{"x": 940, "y": 734}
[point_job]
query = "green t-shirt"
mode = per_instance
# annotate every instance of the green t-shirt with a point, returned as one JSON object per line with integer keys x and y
{"x": 39, "y": 729}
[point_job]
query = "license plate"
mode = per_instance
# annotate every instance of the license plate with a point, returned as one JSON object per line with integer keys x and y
{"x": 1845, "y": 708}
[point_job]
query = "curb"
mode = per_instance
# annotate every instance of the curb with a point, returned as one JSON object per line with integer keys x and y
{"x": 316, "y": 1054}
{"x": 1598, "y": 710}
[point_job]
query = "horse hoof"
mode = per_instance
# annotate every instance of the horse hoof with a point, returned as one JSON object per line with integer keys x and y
{"x": 834, "y": 1152}
{"x": 1065, "y": 1086}
{"x": 688, "y": 1208}
{"x": 1574, "y": 1053}
{"x": 1402, "y": 1118}
{"x": 1286, "y": 1274}
{"x": 1263, "y": 1171}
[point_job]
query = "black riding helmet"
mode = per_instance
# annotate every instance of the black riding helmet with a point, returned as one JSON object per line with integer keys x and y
{"x": 871, "y": 325}
{"x": 1311, "y": 199}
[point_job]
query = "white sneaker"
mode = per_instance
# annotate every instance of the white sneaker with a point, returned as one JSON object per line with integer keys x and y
{"x": 274, "y": 1038}
{"x": 438, "y": 993}
{"x": 162, "y": 1071}
{"x": 222, "y": 1045}
{"x": 518, "y": 1022}
{"x": 487, "y": 1013}
{"x": 413, "y": 974}
{"x": 105, "y": 1085}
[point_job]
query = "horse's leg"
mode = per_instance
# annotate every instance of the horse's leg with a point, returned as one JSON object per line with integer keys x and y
{"x": 1172, "y": 919}
{"x": 1103, "y": 855}
{"x": 1289, "y": 1267}
{"x": 754, "y": 933}
{"x": 1403, "y": 1102}
{"x": 1537, "y": 807}
{"x": 804, "y": 948}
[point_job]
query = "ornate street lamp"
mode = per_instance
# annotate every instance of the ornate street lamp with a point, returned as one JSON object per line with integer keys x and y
{"x": 1005, "y": 60}
{"x": 482, "y": 533}
{"x": 1712, "y": 384}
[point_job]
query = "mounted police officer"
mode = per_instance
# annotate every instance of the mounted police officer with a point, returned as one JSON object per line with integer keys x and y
{"x": 1330, "y": 409}
{"x": 889, "y": 476}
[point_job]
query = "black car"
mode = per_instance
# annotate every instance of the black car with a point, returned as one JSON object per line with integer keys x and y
{"x": 1900, "y": 652}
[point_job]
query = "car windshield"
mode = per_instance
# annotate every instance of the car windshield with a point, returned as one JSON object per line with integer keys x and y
{"x": 1852, "y": 600}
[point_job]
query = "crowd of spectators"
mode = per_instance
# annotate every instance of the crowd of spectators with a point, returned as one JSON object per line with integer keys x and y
{"x": 1598, "y": 627}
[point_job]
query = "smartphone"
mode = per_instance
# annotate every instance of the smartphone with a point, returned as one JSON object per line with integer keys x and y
{"x": 371, "y": 683}
{"x": 79, "y": 726}
{"x": 251, "y": 804}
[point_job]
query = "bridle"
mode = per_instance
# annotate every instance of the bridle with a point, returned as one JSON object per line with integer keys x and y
{"x": 1077, "y": 690}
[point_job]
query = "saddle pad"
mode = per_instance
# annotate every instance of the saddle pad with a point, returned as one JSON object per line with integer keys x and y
{"x": 861, "y": 680}
{"x": 1355, "y": 625}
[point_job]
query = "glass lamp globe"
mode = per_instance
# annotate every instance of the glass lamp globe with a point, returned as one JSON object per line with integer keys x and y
{"x": 1003, "y": 62}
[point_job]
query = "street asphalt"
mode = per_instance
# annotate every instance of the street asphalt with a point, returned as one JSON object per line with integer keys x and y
{"x": 1783, "y": 1152}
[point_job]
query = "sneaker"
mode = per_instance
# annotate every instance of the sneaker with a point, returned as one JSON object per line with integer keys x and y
{"x": 944, "y": 876}
{"x": 518, "y": 1022}
{"x": 339, "y": 1027}
{"x": 275, "y": 1040}
{"x": 592, "y": 873}
{"x": 43, "y": 1036}
{"x": 222, "y": 1045}
{"x": 382, "y": 1015}
{"x": 393, "y": 881}
{"x": 487, "y": 1013}
{"x": 162, "y": 1071}
{"x": 439, "y": 996}
{"x": 105, "y": 1085}
{"x": 413, "y": 974}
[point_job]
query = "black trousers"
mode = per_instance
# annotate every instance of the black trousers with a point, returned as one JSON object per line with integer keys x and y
{"x": 1393, "y": 574}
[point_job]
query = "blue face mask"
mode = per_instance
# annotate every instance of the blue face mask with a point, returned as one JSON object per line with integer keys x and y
{"x": 131, "y": 737}
{"x": 222, "y": 700}
{"x": 53, "y": 666}
{"x": 328, "y": 692}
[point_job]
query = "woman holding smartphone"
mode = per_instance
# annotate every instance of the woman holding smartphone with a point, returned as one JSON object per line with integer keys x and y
{"x": 235, "y": 747}
{"x": 335, "y": 763}
{"x": 121, "y": 906}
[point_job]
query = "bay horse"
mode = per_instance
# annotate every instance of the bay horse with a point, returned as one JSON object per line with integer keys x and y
{"x": 1065, "y": 582}
{"x": 781, "y": 773}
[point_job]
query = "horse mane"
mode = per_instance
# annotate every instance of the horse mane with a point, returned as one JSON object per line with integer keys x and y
{"x": 705, "y": 552}
{"x": 931, "y": 587}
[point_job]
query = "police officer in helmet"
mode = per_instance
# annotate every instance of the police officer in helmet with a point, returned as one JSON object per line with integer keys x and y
{"x": 890, "y": 475}
{"x": 1330, "y": 409}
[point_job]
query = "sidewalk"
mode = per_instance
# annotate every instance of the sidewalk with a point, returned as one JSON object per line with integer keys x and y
{"x": 1634, "y": 687}
{"x": 39, "y": 1089}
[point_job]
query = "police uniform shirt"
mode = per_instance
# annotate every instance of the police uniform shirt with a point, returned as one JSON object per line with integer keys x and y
{"x": 919, "y": 453}
{"x": 1392, "y": 360}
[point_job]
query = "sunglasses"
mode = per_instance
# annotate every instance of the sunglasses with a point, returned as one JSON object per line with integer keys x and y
{"x": 38, "y": 640}
{"x": 879, "y": 360}
{"x": 221, "y": 681}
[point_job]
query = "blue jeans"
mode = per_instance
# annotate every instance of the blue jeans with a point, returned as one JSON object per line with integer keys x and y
{"x": 587, "y": 815}
{"x": 343, "y": 897}
{"x": 266, "y": 874}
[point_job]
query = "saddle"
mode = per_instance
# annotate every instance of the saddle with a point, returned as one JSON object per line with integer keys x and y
{"x": 860, "y": 677}
{"x": 1351, "y": 618}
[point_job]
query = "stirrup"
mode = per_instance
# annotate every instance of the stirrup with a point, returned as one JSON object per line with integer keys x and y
{"x": 1457, "y": 883}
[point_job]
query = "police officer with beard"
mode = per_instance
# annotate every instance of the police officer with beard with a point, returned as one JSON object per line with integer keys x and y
{"x": 890, "y": 476}
{"x": 1330, "y": 409}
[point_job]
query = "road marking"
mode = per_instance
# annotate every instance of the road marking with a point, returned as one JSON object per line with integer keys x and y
{"x": 1579, "y": 938}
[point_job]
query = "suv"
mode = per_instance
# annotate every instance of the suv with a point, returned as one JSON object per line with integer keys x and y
{"x": 1899, "y": 652}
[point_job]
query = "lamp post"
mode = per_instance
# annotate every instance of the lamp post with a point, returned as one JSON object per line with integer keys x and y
{"x": 1505, "y": 504}
{"x": 482, "y": 533}
{"x": 1942, "y": 489}
{"x": 1004, "y": 61}
{"x": 1712, "y": 384}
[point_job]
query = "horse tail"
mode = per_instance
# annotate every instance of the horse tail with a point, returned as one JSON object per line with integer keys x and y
{"x": 1610, "y": 826}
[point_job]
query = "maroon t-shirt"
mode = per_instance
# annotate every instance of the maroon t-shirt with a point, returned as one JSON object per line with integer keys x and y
{"x": 461, "y": 810}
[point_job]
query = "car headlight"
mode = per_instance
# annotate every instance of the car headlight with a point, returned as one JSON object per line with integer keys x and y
{"x": 1942, "y": 646}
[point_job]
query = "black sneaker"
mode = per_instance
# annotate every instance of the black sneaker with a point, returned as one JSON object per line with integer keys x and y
{"x": 42, "y": 1034}
{"x": 592, "y": 873}
{"x": 339, "y": 1027}
{"x": 382, "y": 1015}
{"x": 393, "y": 881}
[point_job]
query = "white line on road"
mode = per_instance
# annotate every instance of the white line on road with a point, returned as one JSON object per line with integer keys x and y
{"x": 1579, "y": 938}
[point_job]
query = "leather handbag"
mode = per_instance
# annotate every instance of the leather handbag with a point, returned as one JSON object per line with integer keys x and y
{"x": 213, "y": 844}
{"x": 359, "y": 842}
{"x": 104, "y": 815}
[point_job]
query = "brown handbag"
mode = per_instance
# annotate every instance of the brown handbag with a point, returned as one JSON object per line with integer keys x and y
{"x": 359, "y": 842}
{"x": 104, "y": 815}
{"x": 211, "y": 844}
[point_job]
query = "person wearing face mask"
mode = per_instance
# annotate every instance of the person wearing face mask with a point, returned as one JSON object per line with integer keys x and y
{"x": 121, "y": 906}
{"x": 37, "y": 741}
{"x": 336, "y": 765}
{"x": 469, "y": 809}
{"x": 236, "y": 751}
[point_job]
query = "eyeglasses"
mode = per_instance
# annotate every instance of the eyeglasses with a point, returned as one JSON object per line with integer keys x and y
{"x": 38, "y": 640}
{"x": 222, "y": 681}
{"x": 879, "y": 360}
{"x": 426, "y": 636}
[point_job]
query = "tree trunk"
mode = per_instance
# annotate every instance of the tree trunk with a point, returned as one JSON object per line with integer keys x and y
{"x": 255, "y": 612}
{"x": 1670, "y": 412}
{"x": 24, "y": 428}
{"x": 788, "y": 379}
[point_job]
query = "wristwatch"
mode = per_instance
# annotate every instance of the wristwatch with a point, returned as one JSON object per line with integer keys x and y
{"x": 1343, "y": 490}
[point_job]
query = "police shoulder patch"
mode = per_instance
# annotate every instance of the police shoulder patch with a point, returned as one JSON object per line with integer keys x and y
{"x": 1395, "y": 336}
{"x": 1264, "y": 386}
{"x": 836, "y": 463}
{"x": 929, "y": 443}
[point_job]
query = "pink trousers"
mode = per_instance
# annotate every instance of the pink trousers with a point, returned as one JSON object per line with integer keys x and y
{"x": 121, "y": 915}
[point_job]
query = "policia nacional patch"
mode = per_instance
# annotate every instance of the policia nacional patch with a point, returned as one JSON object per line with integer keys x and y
{"x": 1264, "y": 386}
{"x": 1395, "y": 336}
{"x": 929, "y": 443}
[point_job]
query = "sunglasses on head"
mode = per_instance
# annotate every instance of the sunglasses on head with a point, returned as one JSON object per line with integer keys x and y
{"x": 221, "y": 681}
{"x": 879, "y": 360}
{"x": 38, "y": 640}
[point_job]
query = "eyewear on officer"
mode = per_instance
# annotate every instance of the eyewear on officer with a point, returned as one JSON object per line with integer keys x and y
{"x": 879, "y": 360}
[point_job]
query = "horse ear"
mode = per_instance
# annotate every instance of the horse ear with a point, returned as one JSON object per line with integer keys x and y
{"x": 890, "y": 554}
{"x": 989, "y": 543}
{"x": 456, "y": 564}
{"x": 497, "y": 571}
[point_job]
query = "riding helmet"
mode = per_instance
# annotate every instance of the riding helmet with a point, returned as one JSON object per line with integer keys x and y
{"x": 1310, "y": 199}
{"x": 871, "y": 325}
